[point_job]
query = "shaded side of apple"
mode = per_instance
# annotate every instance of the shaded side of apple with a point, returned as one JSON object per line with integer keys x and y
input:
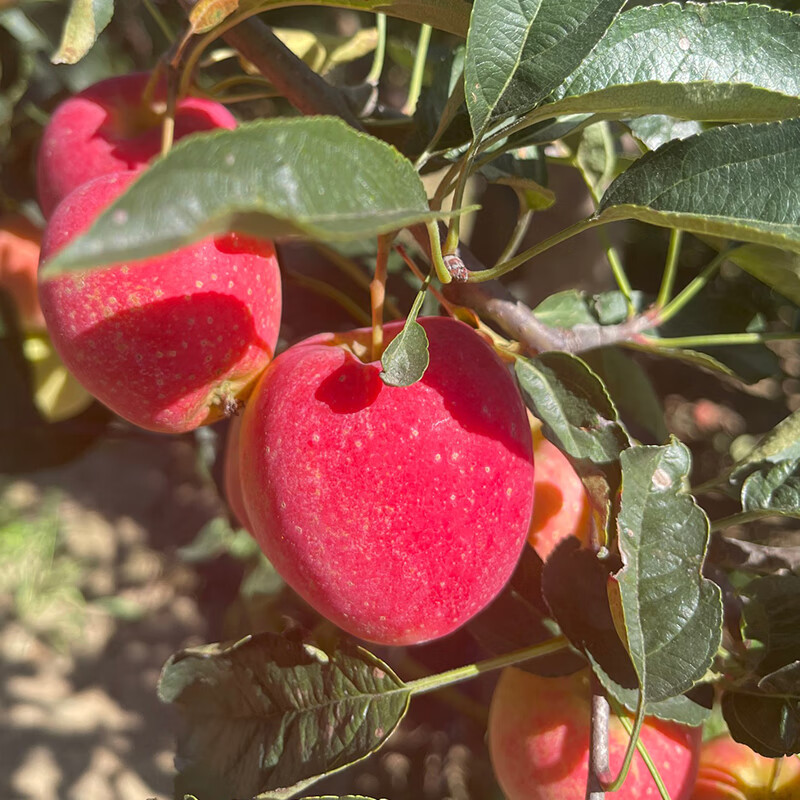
{"x": 539, "y": 742}
{"x": 398, "y": 513}
{"x": 108, "y": 128}
{"x": 562, "y": 507}
{"x": 170, "y": 342}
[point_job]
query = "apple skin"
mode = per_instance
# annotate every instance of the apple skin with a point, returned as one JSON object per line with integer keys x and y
{"x": 171, "y": 342}
{"x": 108, "y": 128}
{"x": 562, "y": 507}
{"x": 19, "y": 259}
{"x": 397, "y": 513}
{"x": 539, "y": 742}
{"x": 732, "y": 771}
{"x": 232, "y": 477}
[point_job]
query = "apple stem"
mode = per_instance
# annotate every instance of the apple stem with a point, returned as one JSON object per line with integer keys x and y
{"x": 418, "y": 71}
{"x": 670, "y": 268}
{"x": 377, "y": 295}
{"x": 433, "y": 682}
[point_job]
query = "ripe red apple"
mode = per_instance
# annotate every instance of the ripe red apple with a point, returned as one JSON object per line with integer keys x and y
{"x": 539, "y": 742}
{"x": 109, "y": 127}
{"x": 398, "y": 513}
{"x": 232, "y": 477}
{"x": 562, "y": 507}
{"x": 171, "y": 342}
{"x": 19, "y": 258}
{"x": 732, "y": 771}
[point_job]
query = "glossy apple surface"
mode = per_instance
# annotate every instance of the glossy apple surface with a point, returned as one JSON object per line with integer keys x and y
{"x": 732, "y": 771}
{"x": 108, "y": 128}
{"x": 171, "y": 342}
{"x": 398, "y": 513}
{"x": 539, "y": 742}
{"x": 562, "y": 507}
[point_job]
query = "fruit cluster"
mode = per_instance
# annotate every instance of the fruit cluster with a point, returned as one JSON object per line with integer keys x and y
{"x": 397, "y": 512}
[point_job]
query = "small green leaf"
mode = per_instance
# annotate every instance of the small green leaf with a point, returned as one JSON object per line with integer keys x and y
{"x": 406, "y": 358}
{"x": 596, "y": 156}
{"x": 267, "y": 714}
{"x": 518, "y": 51}
{"x": 526, "y": 176}
{"x": 84, "y": 23}
{"x": 314, "y": 176}
{"x": 672, "y": 615}
{"x": 782, "y": 443}
{"x": 207, "y": 14}
{"x": 774, "y": 488}
{"x": 654, "y": 130}
{"x": 722, "y": 62}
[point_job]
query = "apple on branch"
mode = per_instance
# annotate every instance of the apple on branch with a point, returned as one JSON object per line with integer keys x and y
{"x": 539, "y": 742}
{"x": 171, "y": 342}
{"x": 111, "y": 127}
{"x": 397, "y": 512}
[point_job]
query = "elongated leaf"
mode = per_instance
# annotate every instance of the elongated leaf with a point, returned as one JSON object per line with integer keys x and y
{"x": 739, "y": 182}
{"x": 84, "y": 23}
{"x": 774, "y": 488}
{"x": 725, "y": 62}
{"x": 314, "y": 176}
{"x": 518, "y": 51}
{"x": 267, "y": 714}
{"x": 772, "y": 617}
{"x": 672, "y": 615}
{"x": 207, "y": 14}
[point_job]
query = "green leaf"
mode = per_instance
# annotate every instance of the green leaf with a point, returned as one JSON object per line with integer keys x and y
{"x": 84, "y": 23}
{"x": 314, "y": 176}
{"x": 518, "y": 51}
{"x": 525, "y": 175}
{"x": 772, "y": 617}
{"x": 269, "y": 714}
{"x": 681, "y": 709}
{"x": 672, "y": 615}
{"x": 768, "y": 725}
{"x": 776, "y": 268}
{"x": 630, "y": 388}
{"x": 723, "y": 62}
{"x": 738, "y": 181}
{"x": 207, "y": 14}
{"x": 406, "y": 358}
{"x": 572, "y": 402}
{"x": 596, "y": 156}
{"x": 780, "y": 444}
{"x": 774, "y": 488}
{"x": 657, "y": 129}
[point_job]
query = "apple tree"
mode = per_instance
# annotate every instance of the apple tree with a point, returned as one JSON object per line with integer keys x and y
{"x": 441, "y": 157}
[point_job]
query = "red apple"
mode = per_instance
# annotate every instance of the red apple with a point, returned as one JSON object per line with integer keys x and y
{"x": 732, "y": 771}
{"x": 562, "y": 507}
{"x": 171, "y": 342}
{"x": 232, "y": 473}
{"x": 19, "y": 257}
{"x": 398, "y": 513}
{"x": 109, "y": 127}
{"x": 539, "y": 742}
